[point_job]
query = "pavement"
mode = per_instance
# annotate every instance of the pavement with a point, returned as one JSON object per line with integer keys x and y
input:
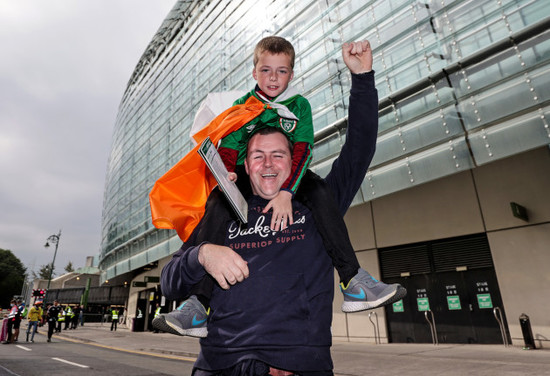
{"x": 350, "y": 358}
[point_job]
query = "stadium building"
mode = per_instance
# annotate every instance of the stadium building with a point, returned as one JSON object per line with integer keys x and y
{"x": 455, "y": 205}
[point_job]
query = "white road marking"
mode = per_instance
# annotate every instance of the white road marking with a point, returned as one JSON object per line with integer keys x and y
{"x": 8, "y": 371}
{"x": 23, "y": 347}
{"x": 71, "y": 363}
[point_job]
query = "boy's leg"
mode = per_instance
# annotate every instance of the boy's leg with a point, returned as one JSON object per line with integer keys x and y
{"x": 314, "y": 193}
{"x": 361, "y": 290}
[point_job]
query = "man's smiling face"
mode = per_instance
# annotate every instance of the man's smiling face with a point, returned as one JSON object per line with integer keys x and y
{"x": 268, "y": 163}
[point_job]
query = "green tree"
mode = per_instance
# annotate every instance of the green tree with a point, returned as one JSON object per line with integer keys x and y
{"x": 12, "y": 276}
{"x": 44, "y": 272}
{"x": 69, "y": 268}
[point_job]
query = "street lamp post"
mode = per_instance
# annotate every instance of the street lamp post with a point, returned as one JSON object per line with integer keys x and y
{"x": 52, "y": 239}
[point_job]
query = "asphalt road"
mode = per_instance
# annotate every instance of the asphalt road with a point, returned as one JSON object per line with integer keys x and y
{"x": 61, "y": 357}
{"x": 94, "y": 350}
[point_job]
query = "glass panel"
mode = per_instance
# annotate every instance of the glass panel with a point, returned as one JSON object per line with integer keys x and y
{"x": 511, "y": 137}
{"x": 440, "y": 161}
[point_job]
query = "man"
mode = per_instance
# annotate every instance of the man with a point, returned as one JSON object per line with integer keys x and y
{"x": 114, "y": 318}
{"x": 272, "y": 311}
{"x": 53, "y": 315}
{"x": 35, "y": 317}
{"x": 68, "y": 317}
{"x": 76, "y": 316}
{"x": 157, "y": 314}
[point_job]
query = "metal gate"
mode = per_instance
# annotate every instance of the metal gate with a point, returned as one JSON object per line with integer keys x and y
{"x": 451, "y": 281}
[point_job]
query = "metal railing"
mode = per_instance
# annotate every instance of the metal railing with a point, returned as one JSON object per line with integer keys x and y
{"x": 498, "y": 315}
{"x": 376, "y": 327}
{"x": 433, "y": 329}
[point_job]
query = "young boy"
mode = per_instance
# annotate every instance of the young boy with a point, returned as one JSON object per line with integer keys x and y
{"x": 289, "y": 111}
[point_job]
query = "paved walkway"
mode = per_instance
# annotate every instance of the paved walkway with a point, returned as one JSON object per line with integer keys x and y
{"x": 357, "y": 359}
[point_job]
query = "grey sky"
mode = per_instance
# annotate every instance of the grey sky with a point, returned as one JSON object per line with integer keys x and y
{"x": 64, "y": 65}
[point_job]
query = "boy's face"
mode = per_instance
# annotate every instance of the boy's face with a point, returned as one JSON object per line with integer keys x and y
{"x": 273, "y": 73}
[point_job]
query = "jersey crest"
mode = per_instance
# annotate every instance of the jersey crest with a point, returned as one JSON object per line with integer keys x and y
{"x": 288, "y": 125}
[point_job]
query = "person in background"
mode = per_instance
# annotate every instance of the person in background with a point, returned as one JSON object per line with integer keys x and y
{"x": 157, "y": 314}
{"x": 53, "y": 315}
{"x": 35, "y": 317}
{"x": 12, "y": 314}
{"x": 76, "y": 316}
{"x": 68, "y": 317}
{"x": 81, "y": 316}
{"x": 114, "y": 318}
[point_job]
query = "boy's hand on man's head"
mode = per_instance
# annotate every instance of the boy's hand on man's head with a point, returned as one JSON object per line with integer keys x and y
{"x": 358, "y": 56}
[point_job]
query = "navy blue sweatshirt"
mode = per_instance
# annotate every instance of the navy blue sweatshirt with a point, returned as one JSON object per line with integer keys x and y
{"x": 282, "y": 313}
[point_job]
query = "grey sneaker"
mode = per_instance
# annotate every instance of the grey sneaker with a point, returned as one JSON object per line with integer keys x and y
{"x": 189, "y": 319}
{"x": 366, "y": 292}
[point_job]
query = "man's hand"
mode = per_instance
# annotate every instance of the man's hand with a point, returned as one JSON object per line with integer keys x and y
{"x": 282, "y": 211}
{"x": 225, "y": 265}
{"x": 358, "y": 56}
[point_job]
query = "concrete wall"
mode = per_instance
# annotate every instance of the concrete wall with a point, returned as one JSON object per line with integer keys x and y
{"x": 521, "y": 249}
{"x": 470, "y": 202}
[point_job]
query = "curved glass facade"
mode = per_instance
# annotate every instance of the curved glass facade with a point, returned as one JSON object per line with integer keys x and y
{"x": 461, "y": 84}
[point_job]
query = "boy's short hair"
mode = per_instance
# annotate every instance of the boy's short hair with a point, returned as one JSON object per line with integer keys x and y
{"x": 274, "y": 45}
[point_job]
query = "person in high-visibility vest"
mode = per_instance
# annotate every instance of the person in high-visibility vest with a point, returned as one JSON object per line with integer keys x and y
{"x": 114, "y": 318}
{"x": 60, "y": 319}
{"x": 157, "y": 314}
{"x": 68, "y": 316}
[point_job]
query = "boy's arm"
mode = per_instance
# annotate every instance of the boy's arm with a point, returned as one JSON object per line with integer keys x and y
{"x": 301, "y": 156}
{"x": 229, "y": 157}
{"x": 303, "y": 146}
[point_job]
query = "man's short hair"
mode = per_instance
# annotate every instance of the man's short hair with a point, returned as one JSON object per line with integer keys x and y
{"x": 270, "y": 130}
{"x": 274, "y": 45}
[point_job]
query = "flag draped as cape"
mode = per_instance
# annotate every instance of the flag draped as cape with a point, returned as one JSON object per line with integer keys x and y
{"x": 178, "y": 198}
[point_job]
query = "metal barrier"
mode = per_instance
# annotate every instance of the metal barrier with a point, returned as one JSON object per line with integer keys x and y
{"x": 498, "y": 315}
{"x": 376, "y": 327}
{"x": 432, "y": 326}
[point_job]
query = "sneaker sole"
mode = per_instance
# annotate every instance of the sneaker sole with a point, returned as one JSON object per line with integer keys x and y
{"x": 161, "y": 323}
{"x": 398, "y": 294}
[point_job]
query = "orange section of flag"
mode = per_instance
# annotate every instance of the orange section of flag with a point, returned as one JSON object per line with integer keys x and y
{"x": 178, "y": 198}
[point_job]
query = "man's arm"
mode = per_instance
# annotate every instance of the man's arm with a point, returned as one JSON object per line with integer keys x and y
{"x": 191, "y": 263}
{"x": 349, "y": 169}
{"x": 181, "y": 273}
